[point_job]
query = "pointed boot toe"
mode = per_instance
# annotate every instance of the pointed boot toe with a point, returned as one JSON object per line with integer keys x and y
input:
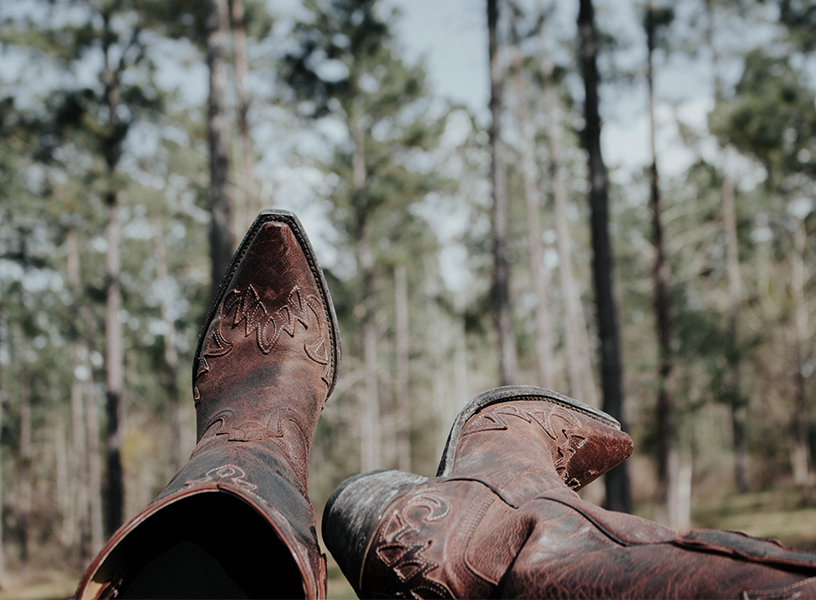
{"x": 236, "y": 520}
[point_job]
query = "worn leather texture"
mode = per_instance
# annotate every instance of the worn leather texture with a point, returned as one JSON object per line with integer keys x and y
{"x": 506, "y": 522}
{"x": 266, "y": 363}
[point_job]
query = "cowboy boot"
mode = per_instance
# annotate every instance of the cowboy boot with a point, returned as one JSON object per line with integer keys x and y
{"x": 503, "y": 519}
{"x": 236, "y": 520}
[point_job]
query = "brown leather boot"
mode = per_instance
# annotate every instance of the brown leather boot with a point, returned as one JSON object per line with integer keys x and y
{"x": 502, "y": 519}
{"x": 236, "y": 520}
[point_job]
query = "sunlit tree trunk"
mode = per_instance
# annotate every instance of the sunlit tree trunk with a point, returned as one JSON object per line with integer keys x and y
{"x": 220, "y": 205}
{"x": 582, "y": 384}
{"x": 739, "y": 409}
{"x": 2, "y": 480}
{"x": 170, "y": 363}
{"x": 737, "y": 402}
{"x": 800, "y": 453}
{"x": 79, "y": 446}
{"x": 370, "y": 404}
{"x": 94, "y": 460}
{"x": 668, "y": 460}
{"x": 65, "y": 488}
{"x": 533, "y": 201}
{"x": 25, "y": 475}
{"x": 401, "y": 384}
{"x": 498, "y": 175}
{"x": 618, "y": 494}
{"x": 249, "y": 185}
{"x": 114, "y": 343}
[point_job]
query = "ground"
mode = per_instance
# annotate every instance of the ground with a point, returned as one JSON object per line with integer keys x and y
{"x": 786, "y": 514}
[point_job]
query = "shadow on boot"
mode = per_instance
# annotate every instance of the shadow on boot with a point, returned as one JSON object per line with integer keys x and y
{"x": 503, "y": 519}
{"x": 236, "y": 520}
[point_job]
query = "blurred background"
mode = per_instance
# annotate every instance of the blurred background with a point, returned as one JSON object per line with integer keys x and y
{"x": 614, "y": 201}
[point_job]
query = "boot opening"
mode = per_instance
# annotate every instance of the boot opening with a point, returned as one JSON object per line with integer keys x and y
{"x": 209, "y": 545}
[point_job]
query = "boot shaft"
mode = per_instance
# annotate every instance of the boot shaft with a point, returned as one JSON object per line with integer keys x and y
{"x": 267, "y": 357}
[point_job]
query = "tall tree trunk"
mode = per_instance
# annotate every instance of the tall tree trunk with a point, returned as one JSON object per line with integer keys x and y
{"x": 800, "y": 454}
{"x": 220, "y": 204}
{"x": 79, "y": 444}
{"x": 618, "y": 493}
{"x": 25, "y": 476}
{"x": 403, "y": 398}
{"x": 94, "y": 459}
{"x": 3, "y": 402}
{"x": 503, "y": 314}
{"x": 114, "y": 355}
{"x": 668, "y": 460}
{"x": 582, "y": 385}
{"x": 2, "y": 479}
{"x": 533, "y": 201}
{"x": 114, "y": 349}
{"x": 370, "y": 402}
{"x": 250, "y": 186}
{"x": 170, "y": 363}
{"x": 737, "y": 402}
{"x": 65, "y": 486}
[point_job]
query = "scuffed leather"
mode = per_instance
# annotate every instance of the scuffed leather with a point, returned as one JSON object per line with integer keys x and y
{"x": 507, "y": 523}
{"x": 265, "y": 365}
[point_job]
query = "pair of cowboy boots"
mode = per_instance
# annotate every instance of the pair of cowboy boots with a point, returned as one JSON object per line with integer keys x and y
{"x": 502, "y": 517}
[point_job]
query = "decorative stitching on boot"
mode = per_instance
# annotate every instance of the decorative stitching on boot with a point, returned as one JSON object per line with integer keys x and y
{"x": 492, "y": 420}
{"x": 234, "y": 474}
{"x": 247, "y": 307}
{"x": 252, "y": 430}
{"x": 400, "y": 549}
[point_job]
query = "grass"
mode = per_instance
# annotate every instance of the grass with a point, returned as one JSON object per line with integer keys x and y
{"x": 787, "y": 514}
{"x": 60, "y": 588}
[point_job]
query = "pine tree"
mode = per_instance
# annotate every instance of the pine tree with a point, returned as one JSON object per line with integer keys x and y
{"x": 347, "y": 69}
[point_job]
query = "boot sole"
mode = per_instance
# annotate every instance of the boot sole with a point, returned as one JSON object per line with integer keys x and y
{"x": 508, "y": 394}
{"x": 291, "y": 220}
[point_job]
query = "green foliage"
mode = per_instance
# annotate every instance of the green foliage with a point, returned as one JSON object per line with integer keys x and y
{"x": 771, "y": 117}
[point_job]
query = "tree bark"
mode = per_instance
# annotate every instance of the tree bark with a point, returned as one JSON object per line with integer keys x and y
{"x": 79, "y": 446}
{"x": 3, "y": 401}
{"x": 503, "y": 315}
{"x": 66, "y": 492}
{"x": 114, "y": 349}
{"x": 25, "y": 489}
{"x": 220, "y": 203}
{"x": 250, "y": 186}
{"x": 736, "y": 400}
{"x": 618, "y": 494}
{"x": 533, "y": 202}
{"x": 668, "y": 460}
{"x": 94, "y": 461}
{"x": 403, "y": 398}
{"x": 800, "y": 454}
{"x": 170, "y": 363}
{"x": 582, "y": 384}
{"x": 114, "y": 354}
{"x": 371, "y": 455}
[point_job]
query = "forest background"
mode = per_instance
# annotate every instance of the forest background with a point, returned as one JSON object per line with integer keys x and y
{"x": 448, "y": 164}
